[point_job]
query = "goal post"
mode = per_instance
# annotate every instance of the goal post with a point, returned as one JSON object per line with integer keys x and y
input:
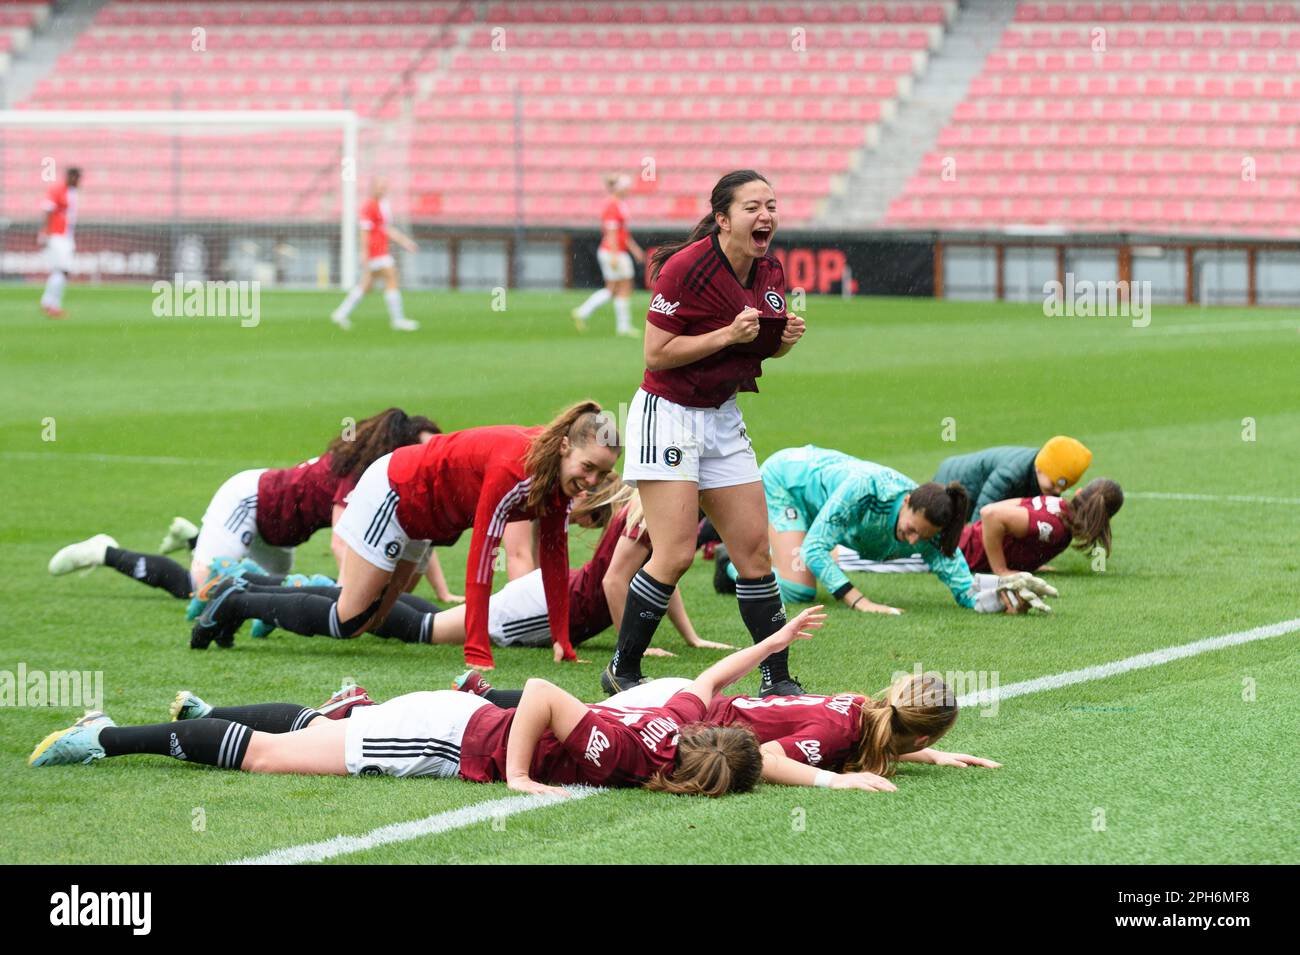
{"x": 224, "y": 194}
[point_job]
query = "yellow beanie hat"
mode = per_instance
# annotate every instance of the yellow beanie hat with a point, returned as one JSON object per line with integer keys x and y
{"x": 1063, "y": 460}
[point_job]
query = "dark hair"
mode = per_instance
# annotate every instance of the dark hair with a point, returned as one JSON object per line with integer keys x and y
{"x": 374, "y": 437}
{"x": 719, "y": 202}
{"x": 581, "y": 423}
{"x": 712, "y": 761}
{"x": 1091, "y": 509}
{"x": 945, "y": 508}
{"x": 74, "y": 172}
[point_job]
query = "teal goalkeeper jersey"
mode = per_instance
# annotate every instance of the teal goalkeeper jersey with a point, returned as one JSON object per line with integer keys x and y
{"x": 856, "y": 503}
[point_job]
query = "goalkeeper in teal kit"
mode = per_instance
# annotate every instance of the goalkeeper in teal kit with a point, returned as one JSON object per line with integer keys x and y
{"x": 819, "y": 498}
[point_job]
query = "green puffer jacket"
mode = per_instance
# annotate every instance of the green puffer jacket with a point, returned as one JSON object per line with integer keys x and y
{"x": 994, "y": 474}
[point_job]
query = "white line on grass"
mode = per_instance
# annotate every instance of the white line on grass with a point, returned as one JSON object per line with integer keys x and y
{"x": 405, "y": 831}
{"x": 1140, "y": 662}
{"x": 469, "y": 815}
{"x": 1213, "y": 498}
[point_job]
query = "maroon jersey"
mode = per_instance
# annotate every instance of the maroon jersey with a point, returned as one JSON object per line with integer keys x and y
{"x": 294, "y": 503}
{"x": 608, "y": 747}
{"x": 697, "y": 292}
{"x": 1049, "y": 534}
{"x": 821, "y": 731}
{"x": 588, "y": 608}
{"x": 475, "y": 478}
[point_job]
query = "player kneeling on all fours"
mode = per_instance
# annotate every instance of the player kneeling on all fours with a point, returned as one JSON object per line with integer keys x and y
{"x": 1023, "y": 534}
{"x": 479, "y": 479}
{"x": 818, "y": 499}
{"x": 376, "y": 229}
{"x": 257, "y": 517}
{"x": 550, "y": 738}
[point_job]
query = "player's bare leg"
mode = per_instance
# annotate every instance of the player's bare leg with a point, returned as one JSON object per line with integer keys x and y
{"x": 593, "y": 302}
{"x": 623, "y": 309}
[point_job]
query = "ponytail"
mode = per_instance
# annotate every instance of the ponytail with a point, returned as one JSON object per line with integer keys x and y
{"x": 1090, "y": 512}
{"x": 724, "y": 191}
{"x": 374, "y": 437}
{"x": 944, "y": 507}
{"x": 581, "y": 424}
{"x": 711, "y": 761}
{"x": 915, "y": 705}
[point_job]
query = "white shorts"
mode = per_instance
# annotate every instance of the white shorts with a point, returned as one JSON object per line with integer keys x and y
{"x": 418, "y": 734}
{"x": 670, "y": 442}
{"x": 59, "y": 251}
{"x": 369, "y": 523}
{"x": 654, "y": 693}
{"x": 380, "y": 262}
{"x": 517, "y": 613}
{"x": 615, "y": 266}
{"x": 229, "y": 527}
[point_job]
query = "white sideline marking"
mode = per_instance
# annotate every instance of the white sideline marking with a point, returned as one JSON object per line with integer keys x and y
{"x": 1278, "y": 324}
{"x": 1216, "y": 498}
{"x": 111, "y": 458}
{"x": 1140, "y": 662}
{"x": 405, "y": 831}
{"x": 469, "y": 815}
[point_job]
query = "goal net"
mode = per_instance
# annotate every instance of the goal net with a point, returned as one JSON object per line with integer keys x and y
{"x": 267, "y": 196}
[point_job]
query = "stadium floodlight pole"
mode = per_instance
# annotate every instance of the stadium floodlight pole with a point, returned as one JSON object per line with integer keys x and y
{"x": 343, "y": 120}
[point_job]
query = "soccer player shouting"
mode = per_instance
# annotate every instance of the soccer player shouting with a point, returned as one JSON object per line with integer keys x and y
{"x": 480, "y": 478}
{"x": 376, "y": 229}
{"x": 616, "y": 252}
{"x": 57, "y": 237}
{"x": 718, "y": 310}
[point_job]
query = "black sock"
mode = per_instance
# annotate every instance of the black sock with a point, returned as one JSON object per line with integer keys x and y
{"x": 265, "y": 580}
{"x": 407, "y": 624}
{"x": 152, "y": 569}
{"x": 266, "y": 717}
{"x": 707, "y": 534}
{"x": 213, "y": 742}
{"x": 647, "y": 602}
{"x": 192, "y": 543}
{"x": 506, "y": 699}
{"x": 418, "y": 603}
{"x": 290, "y": 608}
{"x": 761, "y": 609}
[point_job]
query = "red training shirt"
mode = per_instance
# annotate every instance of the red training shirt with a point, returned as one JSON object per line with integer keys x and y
{"x": 1049, "y": 534}
{"x": 821, "y": 731}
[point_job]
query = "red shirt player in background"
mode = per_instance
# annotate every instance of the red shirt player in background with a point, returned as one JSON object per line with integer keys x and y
{"x": 616, "y": 252}
{"x": 718, "y": 311}
{"x": 480, "y": 478}
{"x": 377, "y": 228}
{"x": 57, "y": 236}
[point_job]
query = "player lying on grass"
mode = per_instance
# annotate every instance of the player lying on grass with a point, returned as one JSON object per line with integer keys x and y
{"x": 517, "y": 614}
{"x": 480, "y": 478}
{"x": 846, "y": 741}
{"x": 818, "y": 498}
{"x": 262, "y": 514}
{"x": 998, "y": 474}
{"x": 1023, "y": 534}
{"x": 551, "y": 738}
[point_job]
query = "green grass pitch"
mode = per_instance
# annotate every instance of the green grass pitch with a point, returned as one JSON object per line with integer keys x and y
{"x": 1189, "y": 762}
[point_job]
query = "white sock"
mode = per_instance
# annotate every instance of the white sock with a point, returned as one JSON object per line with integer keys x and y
{"x": 350, "y": 302}
{"x": 597, "y": 299}
{"x": 622, "y": 315}
{"x": 53, "y": 296}
{"x": 393, "y": 298}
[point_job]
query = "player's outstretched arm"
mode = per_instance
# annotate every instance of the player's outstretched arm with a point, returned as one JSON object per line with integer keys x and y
{"x": 543, "y": 706}
{"x": 997, "y": 522}
{"x": 781, "y": 769}
{"x": 734, "y": 666}
{"x": 938, "y": 757}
